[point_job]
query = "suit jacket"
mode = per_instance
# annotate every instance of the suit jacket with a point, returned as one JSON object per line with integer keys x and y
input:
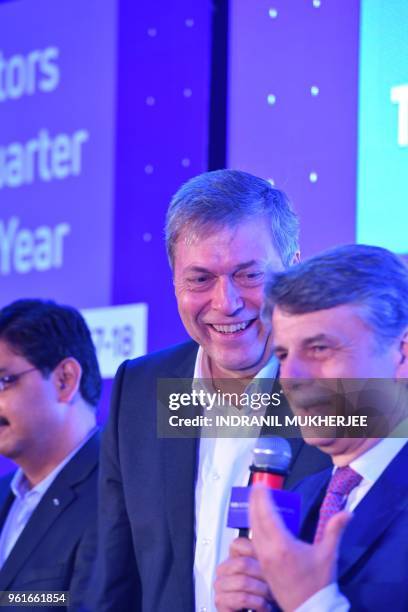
{"x": 56, "y": 549}
{"x": 373, "y": 556}
{"x": 147, "y": 487}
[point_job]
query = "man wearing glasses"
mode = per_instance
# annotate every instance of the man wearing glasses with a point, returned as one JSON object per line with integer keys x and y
{"x": 49, "y": 386}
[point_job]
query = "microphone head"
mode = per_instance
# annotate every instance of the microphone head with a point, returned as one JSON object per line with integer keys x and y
{"x": 272, "y": 454}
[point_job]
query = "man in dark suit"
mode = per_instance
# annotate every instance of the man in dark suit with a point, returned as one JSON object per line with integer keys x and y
{"x": 352, "y": 329}
{"x": 163, "y": 500}
{"x": 49, "y": 386}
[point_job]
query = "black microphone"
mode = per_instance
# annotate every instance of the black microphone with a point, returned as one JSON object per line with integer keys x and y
{"x": 271, "y": 459}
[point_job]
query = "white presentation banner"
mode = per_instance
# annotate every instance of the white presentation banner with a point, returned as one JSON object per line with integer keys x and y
{"x": 119, "y": 333}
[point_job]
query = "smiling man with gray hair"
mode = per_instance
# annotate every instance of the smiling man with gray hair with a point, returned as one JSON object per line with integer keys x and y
{"x": 164, "y": 501}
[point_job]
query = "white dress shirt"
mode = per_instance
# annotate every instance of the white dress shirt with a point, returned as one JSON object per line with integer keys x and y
{"x": 223, "y": 463}
{"x": 370, "y": 466}
{"x": 26, "y": 501}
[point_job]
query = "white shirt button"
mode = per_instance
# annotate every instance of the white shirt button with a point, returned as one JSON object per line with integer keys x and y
{"x": 206, "y": 541}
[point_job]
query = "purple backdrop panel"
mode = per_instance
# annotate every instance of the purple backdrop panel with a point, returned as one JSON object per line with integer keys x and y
{"x": 73, "y": 67}
{"x": 293, "y": 107}
{"x": 56, "y": 149}
{"x": 163, "y": 102}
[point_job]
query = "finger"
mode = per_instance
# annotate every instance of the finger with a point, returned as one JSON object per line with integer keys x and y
{"x": 265, "y": 521}
{"x": 242, "y": 547}
{"x": 240, "y": 565}
{"x": 242, "y": 583}
{"x": 334, "y": 531}
{"x": 228, "y": 602}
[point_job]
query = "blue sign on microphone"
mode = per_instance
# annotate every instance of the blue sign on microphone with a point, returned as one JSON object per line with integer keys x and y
{"x": 287, "y": 504}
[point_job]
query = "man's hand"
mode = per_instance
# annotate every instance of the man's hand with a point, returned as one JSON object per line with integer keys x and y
{"x": 293, "y": 569}
{"x": 239, "y": 584}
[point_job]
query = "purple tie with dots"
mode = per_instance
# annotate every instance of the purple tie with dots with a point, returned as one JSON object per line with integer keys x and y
{"x": 341, "y": 484}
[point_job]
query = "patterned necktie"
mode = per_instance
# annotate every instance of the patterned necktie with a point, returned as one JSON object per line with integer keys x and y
{"x": 341, "y": 484}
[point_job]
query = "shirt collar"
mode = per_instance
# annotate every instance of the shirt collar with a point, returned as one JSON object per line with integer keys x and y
{"x": 372, "y": 463}
{"x": 202, "y": 368}
{"x": 19, "y": 483}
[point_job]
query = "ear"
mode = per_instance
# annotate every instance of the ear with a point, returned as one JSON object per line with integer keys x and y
{"x": 295, "y": 259}
{"x": 402, "y": 368}
{"x": 67, "y": 378}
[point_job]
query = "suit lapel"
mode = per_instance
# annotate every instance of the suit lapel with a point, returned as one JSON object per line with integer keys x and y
{"x": 58, "y": 497}
{"x": 385, "y": 500}
{"x": 180, "y": 464}
{"x": 42, "y": 519}
{"x": 382, "y": 504}
{"x": 179, "y": 469}
{"x": 6, "y": 499}
{"x": 311, "y": 501}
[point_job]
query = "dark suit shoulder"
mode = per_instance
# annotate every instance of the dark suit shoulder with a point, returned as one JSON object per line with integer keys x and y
{"x": 82, "y": 465}
{"x": 5, "y": 481}
{"x": 307, "y": 461}
{"x": 136, "y": 380}
{"x": 133, "y": 404}
{"x": 311, "y": 482}
{"x": 179, "y": 358}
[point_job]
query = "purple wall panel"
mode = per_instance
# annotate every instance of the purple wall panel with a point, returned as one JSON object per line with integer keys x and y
{"x": 161, "y": 90}
{"x": 289, "y": 48}
{"x": 163, "y": 98}
{"x": 49, "y": 191}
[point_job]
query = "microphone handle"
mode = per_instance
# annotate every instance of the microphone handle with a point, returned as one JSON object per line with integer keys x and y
{"x": 243, "y": 532}
{"x": 271, "y": 480}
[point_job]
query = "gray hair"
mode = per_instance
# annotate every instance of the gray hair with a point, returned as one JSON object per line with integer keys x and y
{"x": 370, "y": 277}
{"x": 226, "y": 198}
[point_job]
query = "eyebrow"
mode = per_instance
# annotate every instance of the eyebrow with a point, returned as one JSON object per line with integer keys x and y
{"x": 242, "y": 266}
{"x": 247, "y": 264}
{"x": 313, "y": 339}
{"x": 306, "y": 342}
{"x": 196, "y": 269}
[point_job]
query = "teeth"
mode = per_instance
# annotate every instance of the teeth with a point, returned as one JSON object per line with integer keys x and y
{"x": 230, "y": 329}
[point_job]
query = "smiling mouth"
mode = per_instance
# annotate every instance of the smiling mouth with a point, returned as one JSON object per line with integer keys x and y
{"x": 232, "y": 328}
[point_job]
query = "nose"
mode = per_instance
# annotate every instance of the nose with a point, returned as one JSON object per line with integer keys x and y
{"x": 294, "y": 368}
{"x": 295, "y": 377}
{"x": 226, "y": 297}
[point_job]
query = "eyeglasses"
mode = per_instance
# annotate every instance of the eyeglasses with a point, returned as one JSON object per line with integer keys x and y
{"x": 10, "y": 379}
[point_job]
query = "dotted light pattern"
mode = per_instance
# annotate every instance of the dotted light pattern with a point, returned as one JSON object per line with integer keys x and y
{"x": 293, "y": 107}
{"x": 162, "y": 141}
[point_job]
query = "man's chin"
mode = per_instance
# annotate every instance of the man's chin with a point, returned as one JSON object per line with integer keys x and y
{"x": 318, "y": 441}
{"x": 237, "y": 369}
{"x": 242, "y": 364}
